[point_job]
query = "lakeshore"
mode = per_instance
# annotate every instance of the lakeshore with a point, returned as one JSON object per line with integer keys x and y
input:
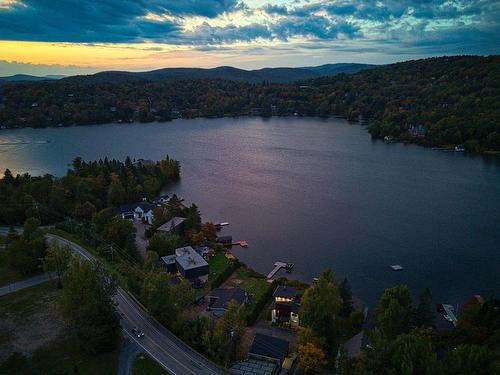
{"x": 338, "y": 196}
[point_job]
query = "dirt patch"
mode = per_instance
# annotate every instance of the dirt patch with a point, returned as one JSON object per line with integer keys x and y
{"x": 27, "y": 325}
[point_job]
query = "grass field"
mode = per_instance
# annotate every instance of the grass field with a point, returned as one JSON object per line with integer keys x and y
{"x": 30, "y": 322}
{"x": 218, "y": 263}
{"x": 144, "y": 365}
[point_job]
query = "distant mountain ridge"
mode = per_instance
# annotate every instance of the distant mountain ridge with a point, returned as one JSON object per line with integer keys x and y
{"x": 28, "y": 77}
{"x": 273, "y": 75}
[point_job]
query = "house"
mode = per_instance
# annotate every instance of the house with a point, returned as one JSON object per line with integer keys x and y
{"x": 162, "y": 199}
{"x": 285, "y": 307}
{"x": 191, "y": 265}
{"x": 269, "y": 348}
{"x": 252, "y": 366}
{"x": 168, "y": 262}
{"x": 218, "y": 299}
{"x": 225, "y": 240}
{"x": 176, "y": 225}
{"x": 141, "y": 210}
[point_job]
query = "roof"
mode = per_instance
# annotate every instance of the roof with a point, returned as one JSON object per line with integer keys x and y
{"x": 175, "y": 222}
{"x": 224, "y": 238}
{"x": 353, "y": 345}
{"x": 168, "y": 259}
{"x": 270, "y": 347}
{"x": 285, "y": 291}
{"x": 225, "y": 295}
{"x": 188, "y": 259}
{"x": 253, "y": 366}
{"x": 130, "y": 208}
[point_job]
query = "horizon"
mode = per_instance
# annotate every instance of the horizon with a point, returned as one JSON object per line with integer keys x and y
{"x": 85, "y": 37}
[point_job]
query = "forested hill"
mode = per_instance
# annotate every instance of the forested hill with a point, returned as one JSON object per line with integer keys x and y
{"x": 271, "y": 75}
{"x": 437, "y": 101}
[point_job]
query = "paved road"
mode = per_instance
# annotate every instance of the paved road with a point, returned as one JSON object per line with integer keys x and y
{"x": 161, "y": 344}
{"x": 128, "y": 353}
{"x": 35, "y": 280}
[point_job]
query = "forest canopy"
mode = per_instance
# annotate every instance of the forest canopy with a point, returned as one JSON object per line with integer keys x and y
{"x": 436, "y": 101}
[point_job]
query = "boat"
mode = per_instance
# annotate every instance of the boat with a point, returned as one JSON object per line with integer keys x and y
{"x": 289, "y": 267}
{"x": 397, "y": 267}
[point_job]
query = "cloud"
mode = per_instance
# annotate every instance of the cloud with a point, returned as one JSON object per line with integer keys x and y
{"x": 468, "y": 26}
{"x": 103, "y": 20}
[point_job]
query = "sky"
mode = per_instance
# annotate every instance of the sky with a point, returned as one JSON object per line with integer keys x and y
{"x": 83, "y": 36}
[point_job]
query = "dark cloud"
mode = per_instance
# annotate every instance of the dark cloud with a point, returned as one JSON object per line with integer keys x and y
{"x": 102, "y": 20}
{"x": 461, "y": 26}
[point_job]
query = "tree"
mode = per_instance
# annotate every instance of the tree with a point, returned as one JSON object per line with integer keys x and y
{"x": 228, "y": 333}
{"x": 84, "y": 212}
{"x": 57, "y": 259}
{"x": 470, "y": 360}
{"x": 312, "y": 359}
{"x": 346, "y": 296}
{"x": 395, "y": 311}
{"x": 424, "y": 315}
{"x": 101, "y": 218}
{"x": 164, "y": 243}
{"x": 87, "y": 304}
{"x": 120, "y": 232}
{"x": 151, "y": 263}
{"x": 157, "y": 295}
{"x": 319, "y": 307}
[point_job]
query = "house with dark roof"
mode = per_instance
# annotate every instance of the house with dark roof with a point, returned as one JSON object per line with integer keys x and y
{"x": 285, "y": 307}
{"x": 269, "y": 348}
{"x": 168, "y": 263}
{"x": 141, "y": 210}
{"x": 191, "y": 265}
{"x": 218, "y": 299}
{"x": 175, "y": 225}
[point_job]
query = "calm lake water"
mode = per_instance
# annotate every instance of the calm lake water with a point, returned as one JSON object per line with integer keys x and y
{"x": 316, "y": 193}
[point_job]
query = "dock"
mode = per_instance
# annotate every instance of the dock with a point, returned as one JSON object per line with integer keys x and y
{"x": 278, "y": 266}
{"x": 240, "y": 243}
{"x": 449, "y": 310}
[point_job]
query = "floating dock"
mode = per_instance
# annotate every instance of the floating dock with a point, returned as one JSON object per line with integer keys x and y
{"x": 449, "y": 311}
{"x": 397, "y": 267}
{"x": 278, "y": 266}
{"x": 240, "y": 243}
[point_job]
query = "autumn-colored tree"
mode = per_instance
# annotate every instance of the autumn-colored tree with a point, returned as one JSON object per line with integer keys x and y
{"x": 312, "y": 359}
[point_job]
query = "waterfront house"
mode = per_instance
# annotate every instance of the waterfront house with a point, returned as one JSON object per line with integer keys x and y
{"x": 269, "y": 348}
{"x": 191, "y": 265}
{"x": 218, "y": 299}
{"x": 225, "y": 240}
{"x": 168, "y": 263}
{"x": 176, "y": 225}
{"x": 160, "y": 200}
{"x": 141, "y": 210}
{"x": 285, "y": 307}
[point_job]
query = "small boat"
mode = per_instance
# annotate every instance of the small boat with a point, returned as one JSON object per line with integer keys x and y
{"x": 289, "y": 267}
{"x": 397, "y": 267}
{"x": 315, "y": 280}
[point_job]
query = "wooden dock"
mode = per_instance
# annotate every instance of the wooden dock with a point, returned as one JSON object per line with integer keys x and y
{"x": 277, "y": 267}
{"x": 241, "y": 243}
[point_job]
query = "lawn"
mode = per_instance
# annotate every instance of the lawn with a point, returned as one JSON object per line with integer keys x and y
{"x": 144, "y": 365}
{"x": 254, "y": 283}
{"x": 218, "y": 263}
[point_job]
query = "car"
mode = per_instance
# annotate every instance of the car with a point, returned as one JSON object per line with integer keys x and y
{"x": 137, "y": 332}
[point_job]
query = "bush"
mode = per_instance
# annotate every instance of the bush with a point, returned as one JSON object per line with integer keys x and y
{"x": 221, "y": 277}
{"x": 254, "y": 313}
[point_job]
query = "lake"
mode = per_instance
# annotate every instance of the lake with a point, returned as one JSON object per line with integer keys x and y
{"x": 318, "y": 193}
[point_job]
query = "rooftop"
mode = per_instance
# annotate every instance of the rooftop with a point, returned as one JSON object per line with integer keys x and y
{"x": 253, "y": 366}
{"x": 285, "y": 291}
{"x": 187, "y": 258}
{"x": 270, "y": 347}
{"x": 168, "y": 259}
{"x": 176, "y": 221}
{"x": 225, "y": 295}
{"x": 130, "y": 208}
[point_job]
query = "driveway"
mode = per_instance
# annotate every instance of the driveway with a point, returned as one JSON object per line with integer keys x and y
{"x": 141, "y": 242}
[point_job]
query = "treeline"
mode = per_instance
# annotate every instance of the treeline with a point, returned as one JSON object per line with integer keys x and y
{"x": 402, "y": 338}
{"x": 436, "y": 101}
{"x": 86, "y": 188}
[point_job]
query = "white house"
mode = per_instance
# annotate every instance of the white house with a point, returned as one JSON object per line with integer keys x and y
{"x": 141, "y": 210}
